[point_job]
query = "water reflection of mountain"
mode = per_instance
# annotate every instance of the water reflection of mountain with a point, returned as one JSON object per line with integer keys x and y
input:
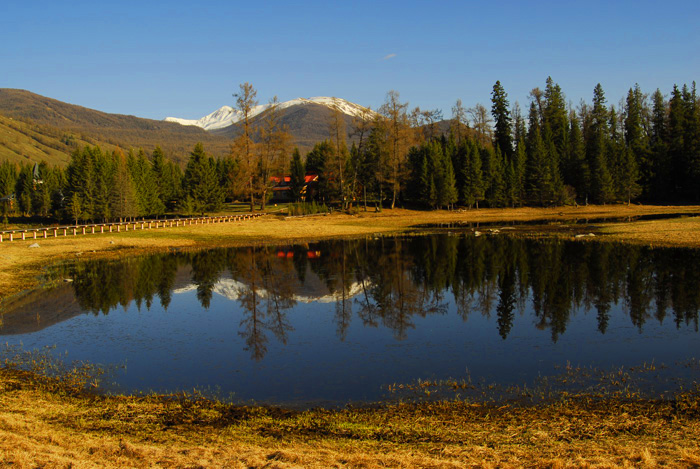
{"x": 392, "y": 281}
{"x": 39, "y": 309}
{"x": 312, "y": 291}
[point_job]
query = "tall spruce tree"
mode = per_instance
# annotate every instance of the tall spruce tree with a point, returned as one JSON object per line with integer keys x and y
{"x": 661, "y": 167}
{"x": 602, "y": 189}
{"x": 575, "y": 168}
{"x": 500, "y": 109}
{"x": 636, "y": 136}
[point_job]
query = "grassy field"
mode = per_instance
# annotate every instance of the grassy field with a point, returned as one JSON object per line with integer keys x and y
{"x": 49, "y": 423}
{"x": 44, "y": 423}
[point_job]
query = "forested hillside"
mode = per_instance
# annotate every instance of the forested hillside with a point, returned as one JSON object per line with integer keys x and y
{"x": 647, "y": 149}
{"x": 114, "y": 129}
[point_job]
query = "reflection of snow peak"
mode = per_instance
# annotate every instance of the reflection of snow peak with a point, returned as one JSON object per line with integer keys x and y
{"x": 232, "y": 290}
{"x": 226, "y": 115}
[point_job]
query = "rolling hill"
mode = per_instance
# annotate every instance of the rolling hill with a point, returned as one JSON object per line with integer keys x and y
{"x": 88, "y": 125}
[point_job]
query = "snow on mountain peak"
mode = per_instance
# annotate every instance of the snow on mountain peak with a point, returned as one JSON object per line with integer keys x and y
{"x": 226, "y": 115}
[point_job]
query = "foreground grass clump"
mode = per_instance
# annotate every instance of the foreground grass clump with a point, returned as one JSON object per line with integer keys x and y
{"x": 47, "y": 423}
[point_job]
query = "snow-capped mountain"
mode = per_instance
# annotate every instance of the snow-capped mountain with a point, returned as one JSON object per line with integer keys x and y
{"x": 227, "y": 116}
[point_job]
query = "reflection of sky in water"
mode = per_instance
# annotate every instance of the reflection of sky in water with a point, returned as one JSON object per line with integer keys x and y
{"x": 189, "y": 347}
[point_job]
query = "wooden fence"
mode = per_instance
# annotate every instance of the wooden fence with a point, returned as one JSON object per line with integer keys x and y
{"x": 117, "y": 227}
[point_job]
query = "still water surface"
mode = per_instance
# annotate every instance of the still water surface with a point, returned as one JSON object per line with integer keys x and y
{"x": 338, "y": 321}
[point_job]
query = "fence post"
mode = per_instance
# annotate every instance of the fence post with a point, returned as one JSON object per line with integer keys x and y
{"x": 46, "y": 233}
{"x": 65, "y": 231}
{"x": 10, "y": 236}
{"x": 55, "y": 233}
{"x": 75, "y": 231}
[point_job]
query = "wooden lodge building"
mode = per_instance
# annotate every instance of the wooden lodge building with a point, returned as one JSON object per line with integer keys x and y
{"x": 282, "y": 190}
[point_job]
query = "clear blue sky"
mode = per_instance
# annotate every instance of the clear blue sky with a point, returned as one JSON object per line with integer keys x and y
{"x": 185, "y": 59}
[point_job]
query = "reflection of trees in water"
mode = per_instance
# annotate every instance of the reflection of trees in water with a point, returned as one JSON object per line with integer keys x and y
{"x": 391, "y": 281}
{"x": 259, "y": 271}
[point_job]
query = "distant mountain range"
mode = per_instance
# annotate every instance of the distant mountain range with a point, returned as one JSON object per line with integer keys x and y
{"x": 227, "y": 116}
{"x": 35, "y": 128}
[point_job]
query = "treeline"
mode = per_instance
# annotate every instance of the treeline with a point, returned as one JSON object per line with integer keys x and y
{"x": 647, "y": 148}
{"x": 103, "y": 186}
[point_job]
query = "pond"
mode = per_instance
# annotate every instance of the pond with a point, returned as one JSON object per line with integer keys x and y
{"x": 339, "y": 322}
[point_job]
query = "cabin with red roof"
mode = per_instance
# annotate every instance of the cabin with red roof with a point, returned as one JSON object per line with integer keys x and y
{"x": 281, "y": 192}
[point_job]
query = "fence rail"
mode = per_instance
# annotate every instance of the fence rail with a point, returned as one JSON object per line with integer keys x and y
{"x": 117, "y": 227}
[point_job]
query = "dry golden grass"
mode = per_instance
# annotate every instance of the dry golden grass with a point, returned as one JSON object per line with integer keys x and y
{"x": 45, "y": 425}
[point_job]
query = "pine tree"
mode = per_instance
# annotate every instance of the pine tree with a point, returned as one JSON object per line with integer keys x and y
{"x": 502, "y": 137}
{"x": 691, "y": 141}
{"x": 492, "y": 164}
{"x": 449, "y": 193}
{"x": 123, "y": 203}
{"x": 518, "y": 166}
{"x": 537, "y": 177}
{"x": 661, "y": 168}
{"x": 473, "y": 176}
{"x": 636, "y": 137}
{"x": 168, "y": 178}
{"x": 602, "y": 189}
{"x": 575, "y": 170}
{"x": 297, "y": 176}
{"x": 629, "y": 176}
{"x": 555, "y": 118}
{"x": 201, "y": 182}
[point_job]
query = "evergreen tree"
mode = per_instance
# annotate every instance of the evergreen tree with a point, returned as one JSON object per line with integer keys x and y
{"x": 297, "y": 176}
{"x": 602, "y": 189}
{"x": 123, "y": 203}
{"x": 473, "y": 190}
{"x": 80, "y": 179}
{"x": 691, "y": 140}
{"x": 575, "y": 169}
{"x": 8, "y": 178}
{"x": 318, "y": 161}
{"x": 104, "y": 177}
{"x": 492, "y": 165}
{"x": 518, "y": 168}
{"x": 448, "y": 195}
{"x": 24, "y": 189}
{"x": 555, "y": 119}
{"x": 144, "y": 177}
{"x": 629, "y": 176}
{"x": 636, "y": 137}
{"x": 168, "y": 179}
{"x": 661, "y": 168}
{"x": 537, "y": 177}
{"x": 201, "y": 182}
{"x": 501, "y": 115}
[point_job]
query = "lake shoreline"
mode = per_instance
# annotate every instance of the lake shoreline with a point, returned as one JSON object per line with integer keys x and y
{"x": 51, "y": 422}
{"x": 23, "y": 267}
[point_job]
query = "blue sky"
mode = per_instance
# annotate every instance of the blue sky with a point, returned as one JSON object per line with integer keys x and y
{"x": 158, "y": 59}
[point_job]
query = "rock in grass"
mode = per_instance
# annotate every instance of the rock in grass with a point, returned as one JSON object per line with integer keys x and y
{"x": 35, "y": 245}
